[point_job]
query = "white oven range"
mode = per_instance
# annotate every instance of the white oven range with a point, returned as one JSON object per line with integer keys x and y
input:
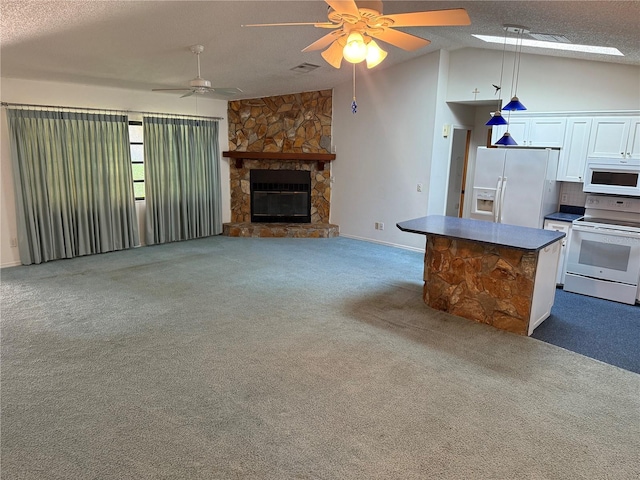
{"x": 603, "y": 259}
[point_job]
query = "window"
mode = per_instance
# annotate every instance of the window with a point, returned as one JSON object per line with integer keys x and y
{"x": 137, "y": 158}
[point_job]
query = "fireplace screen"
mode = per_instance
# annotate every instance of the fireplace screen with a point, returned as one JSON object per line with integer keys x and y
{"x": 280, "y": 196}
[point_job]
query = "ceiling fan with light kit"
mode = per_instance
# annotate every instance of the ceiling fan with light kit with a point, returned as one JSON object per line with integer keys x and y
{"x": 200, "y": 86}
{"x": 357, "y": 26}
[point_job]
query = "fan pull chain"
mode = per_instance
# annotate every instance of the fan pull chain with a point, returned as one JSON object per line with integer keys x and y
{"x": 354, "y": 105}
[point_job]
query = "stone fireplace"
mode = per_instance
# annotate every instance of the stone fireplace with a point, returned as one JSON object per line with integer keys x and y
{"x": 286, "y": 136}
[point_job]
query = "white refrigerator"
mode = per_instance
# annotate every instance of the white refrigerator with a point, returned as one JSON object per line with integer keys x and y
{"x": 515, "y": 185}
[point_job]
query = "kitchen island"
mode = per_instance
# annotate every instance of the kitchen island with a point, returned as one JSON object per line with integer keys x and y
{"x": 502, "y": 275}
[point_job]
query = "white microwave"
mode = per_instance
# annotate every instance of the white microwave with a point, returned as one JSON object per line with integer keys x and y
{"x": 614, "y": 176}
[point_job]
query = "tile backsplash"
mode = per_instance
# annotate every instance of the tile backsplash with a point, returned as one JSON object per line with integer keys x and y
{"x": 571, "y": 194}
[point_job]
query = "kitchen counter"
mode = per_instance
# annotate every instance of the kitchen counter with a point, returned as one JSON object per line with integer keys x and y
{"x": 563, "y": 217}
{"x": 502, "y": 275}
{"x": 524, "y": 238}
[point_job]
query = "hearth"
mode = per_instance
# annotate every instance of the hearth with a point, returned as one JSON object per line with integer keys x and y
{"x": 280, "y": 196}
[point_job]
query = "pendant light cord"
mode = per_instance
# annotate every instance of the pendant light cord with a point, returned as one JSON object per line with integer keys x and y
{"x": 519, "y": 52}
{"x": 513, "y": 74}
{"x": 504, "y": 49}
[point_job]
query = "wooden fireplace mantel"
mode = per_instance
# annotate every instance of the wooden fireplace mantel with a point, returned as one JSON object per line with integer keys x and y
{"x": 321, "y": 158}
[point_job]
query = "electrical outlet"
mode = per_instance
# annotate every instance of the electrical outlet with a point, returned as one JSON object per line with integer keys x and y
{"x": 565, "y": 198}
{"x": 13, "y": 242}
{"x": 380, "y": 226}
{"x": 419, "y": 187}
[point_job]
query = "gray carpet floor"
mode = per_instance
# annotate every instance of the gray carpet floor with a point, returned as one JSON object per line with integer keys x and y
{"x": 239, "y": 358}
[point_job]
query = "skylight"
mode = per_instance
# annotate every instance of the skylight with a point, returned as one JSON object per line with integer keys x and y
{"x": 525, "y": 42}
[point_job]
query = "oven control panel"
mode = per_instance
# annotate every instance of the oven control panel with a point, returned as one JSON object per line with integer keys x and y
{"x": 616, "y": 204}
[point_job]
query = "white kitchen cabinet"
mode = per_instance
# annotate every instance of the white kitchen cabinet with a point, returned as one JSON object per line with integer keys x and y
{"x": 573, "y": 155}
{"x": 565, "y": 227}
{"x": 615, "y": 137}
{"x": 518, "y": 128}
{"x": 633, "y": 143}
{"x": 533, "y": 131}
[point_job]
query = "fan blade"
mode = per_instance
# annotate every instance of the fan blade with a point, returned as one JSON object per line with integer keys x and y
{"x": 228, "y": 91}
{"x": 401, "y": 39}
{"x": 333, "y": 54}
{"x": 434, "y": 18}
{"x": 188, "y": 94}
{"x": 170, "y": 89}
{"x": 322, "y": 42}
{"x": 295, "y": 24}
{"x": 344, "y": 6}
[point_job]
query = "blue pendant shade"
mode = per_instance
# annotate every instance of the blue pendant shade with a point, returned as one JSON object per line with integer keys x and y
{"x": 514, "y": 104}
{"x": 497, "y": 119}
{"x": 506, "y": 140}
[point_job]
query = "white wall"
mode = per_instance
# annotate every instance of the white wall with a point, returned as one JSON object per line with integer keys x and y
{"x": 384, "y": 150}
{"x": 59, "y": 94}
{"x": 546, "y": 84}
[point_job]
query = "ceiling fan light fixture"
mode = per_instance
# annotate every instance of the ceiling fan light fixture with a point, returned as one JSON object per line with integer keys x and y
{"x": 333, "y": 54}
{"x": 375, "y": 55}
{"x": 355, "y": 50}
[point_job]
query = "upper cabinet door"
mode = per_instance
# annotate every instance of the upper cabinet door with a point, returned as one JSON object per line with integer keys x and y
{"x": 547, "y": 132}
{"x": 533, "y": 131}
{"x": 518, "y": 129}
{"x": 573, "y": 155}
{"x": 633, "y": 143}
{"x": 609, "y": 136}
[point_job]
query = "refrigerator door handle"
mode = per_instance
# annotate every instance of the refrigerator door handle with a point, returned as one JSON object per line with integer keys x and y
{"x": 502, "y": 190}
{"x": 496, "y": 201}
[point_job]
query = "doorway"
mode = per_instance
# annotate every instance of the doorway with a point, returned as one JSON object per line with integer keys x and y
{"x": 457, "y": 171}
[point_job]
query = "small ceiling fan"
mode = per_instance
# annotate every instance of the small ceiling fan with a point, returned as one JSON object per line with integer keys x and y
{"x": 199, "y": 85}
{"x": 357, "y": 24}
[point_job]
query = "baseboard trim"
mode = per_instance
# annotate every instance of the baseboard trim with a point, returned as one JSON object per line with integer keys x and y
{"x": 11, "y": 264}
{"x": 380, "y": 242}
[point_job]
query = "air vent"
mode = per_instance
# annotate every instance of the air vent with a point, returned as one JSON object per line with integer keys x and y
{"x": 550, "y": 37}
{"x": 305, "y": 67}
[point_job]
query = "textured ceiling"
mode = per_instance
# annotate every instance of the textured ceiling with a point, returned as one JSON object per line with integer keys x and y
{"x": 145, "y": 44}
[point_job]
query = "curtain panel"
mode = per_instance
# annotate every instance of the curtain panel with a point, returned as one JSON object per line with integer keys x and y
{"x": 182, "y": 179}
{"x": 73, "y": 181}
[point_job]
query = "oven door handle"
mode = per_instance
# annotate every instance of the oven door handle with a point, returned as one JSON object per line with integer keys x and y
{"x": 604, "y": 231}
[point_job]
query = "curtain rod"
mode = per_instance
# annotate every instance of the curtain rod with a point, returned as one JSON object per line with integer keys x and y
{"x": 9, "y": 104}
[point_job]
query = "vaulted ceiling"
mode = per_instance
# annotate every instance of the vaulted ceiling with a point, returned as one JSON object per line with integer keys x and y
{"x": 145, "y": 44}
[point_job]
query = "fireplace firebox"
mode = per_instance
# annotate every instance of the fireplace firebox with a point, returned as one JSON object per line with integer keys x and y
{"x": 280, "y": 196}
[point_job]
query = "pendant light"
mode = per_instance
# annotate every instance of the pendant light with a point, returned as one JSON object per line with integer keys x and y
{"x": 515, "y": 103}
{"x": 506, "y": 140}
{"x": 497, "y": 118}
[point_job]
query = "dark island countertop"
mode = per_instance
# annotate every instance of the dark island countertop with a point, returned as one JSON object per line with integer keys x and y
{"x": 524, "y": 238}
